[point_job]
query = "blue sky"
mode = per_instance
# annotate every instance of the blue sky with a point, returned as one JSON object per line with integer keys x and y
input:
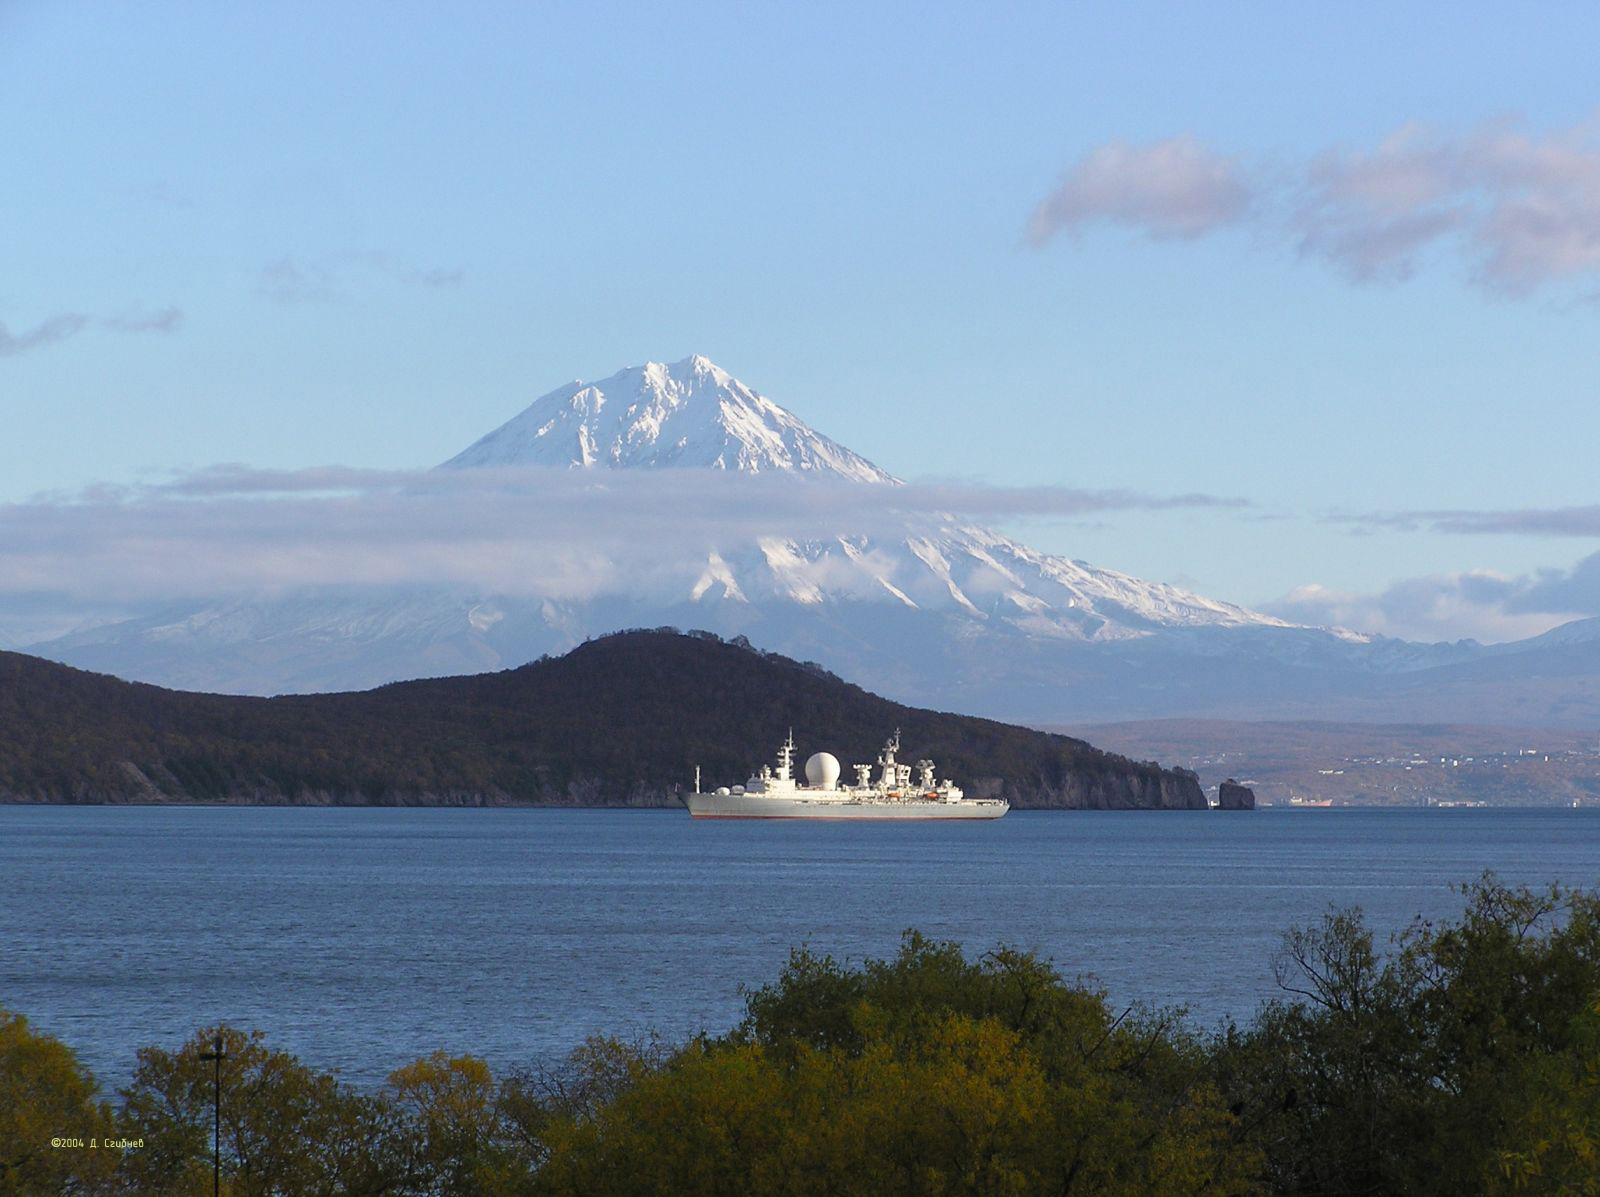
{"x": 1334, "y": 260}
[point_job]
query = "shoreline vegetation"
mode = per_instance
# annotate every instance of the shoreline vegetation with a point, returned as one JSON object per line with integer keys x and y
{"x": 1464, "y": 1057}
{"x": 622, "y": 720}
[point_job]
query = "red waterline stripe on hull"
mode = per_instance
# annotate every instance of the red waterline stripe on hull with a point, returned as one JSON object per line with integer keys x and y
{"x": 857, "y": 818}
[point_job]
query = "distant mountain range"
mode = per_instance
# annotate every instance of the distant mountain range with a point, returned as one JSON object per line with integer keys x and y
{"x": 947, "y": 614}
{"x": 621, "y": 721}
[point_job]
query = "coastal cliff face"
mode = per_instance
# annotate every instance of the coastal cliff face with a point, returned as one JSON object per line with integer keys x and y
{"x": 1170, "y": 789}
{"x": 621, "y": 721}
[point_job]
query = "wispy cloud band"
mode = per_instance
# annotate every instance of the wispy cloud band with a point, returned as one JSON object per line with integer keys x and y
{"x": 553, "y": 532}
{"x": 1520, "y": 521}
{"x": 46, "y": 332}
{"x": 294, "y": 280}
{"x": 69, "y": 324}
{"x": 142, "y": 320}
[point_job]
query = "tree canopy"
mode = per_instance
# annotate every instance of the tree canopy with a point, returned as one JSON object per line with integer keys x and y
{"x": 1462, "y": 1058}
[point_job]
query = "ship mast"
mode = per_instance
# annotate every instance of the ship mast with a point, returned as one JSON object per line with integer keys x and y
{"x": 891, "y": 774}
{"x": 786, "y": 758}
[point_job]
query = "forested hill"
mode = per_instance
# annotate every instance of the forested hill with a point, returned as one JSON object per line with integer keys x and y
{"x": 622, "y": 720}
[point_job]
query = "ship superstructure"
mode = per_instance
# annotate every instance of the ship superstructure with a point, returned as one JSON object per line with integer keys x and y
{"x": 901, "y": 791}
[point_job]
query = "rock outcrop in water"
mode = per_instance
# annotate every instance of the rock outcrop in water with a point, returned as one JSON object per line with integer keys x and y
{"x": 1233, "y": 796}
{"x": 619, "y": 721}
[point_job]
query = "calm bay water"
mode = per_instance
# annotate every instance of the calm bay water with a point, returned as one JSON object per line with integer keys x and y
{"x": 361, "y": 939}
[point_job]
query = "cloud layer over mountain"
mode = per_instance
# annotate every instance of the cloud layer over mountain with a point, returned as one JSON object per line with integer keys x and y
{"x": 516, "y": 530}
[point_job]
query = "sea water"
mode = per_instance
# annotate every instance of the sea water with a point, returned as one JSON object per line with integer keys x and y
{"x": 362, "y": 939}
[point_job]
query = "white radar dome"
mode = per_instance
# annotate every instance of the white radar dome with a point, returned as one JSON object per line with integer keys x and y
{"x": 823, "y": 770}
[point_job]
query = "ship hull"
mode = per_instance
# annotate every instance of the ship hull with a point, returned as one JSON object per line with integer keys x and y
{"x": 745, "y": 806}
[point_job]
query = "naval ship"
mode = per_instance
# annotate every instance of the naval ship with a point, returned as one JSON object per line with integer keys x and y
{"x": 774, "y": 793}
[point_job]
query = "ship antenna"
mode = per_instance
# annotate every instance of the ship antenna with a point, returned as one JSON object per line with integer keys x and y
{"x": 786, "y": 757}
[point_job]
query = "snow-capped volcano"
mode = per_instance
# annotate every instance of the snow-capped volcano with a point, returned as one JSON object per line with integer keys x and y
{"x": 689, "y": 413}
{"x": 928, "y": 609}
{"x": 694, "y": 413}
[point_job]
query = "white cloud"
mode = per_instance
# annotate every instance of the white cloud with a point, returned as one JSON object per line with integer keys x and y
{"x": 1172, "y": 189}
{"x": 1521, "y": 209}
{"x": 1524, "y": 209}
{"x": 1479, "y": 604}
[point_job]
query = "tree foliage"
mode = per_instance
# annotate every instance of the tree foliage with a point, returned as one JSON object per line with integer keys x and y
{"x": 925, "y": 1073}
{"x": 46, "y": 1096}
{"x": 1460, "y": 1062}
{"x": 465, "y": 1127}
{"x": 285, "y": 1128}
{"x": 1464, "y": 1058}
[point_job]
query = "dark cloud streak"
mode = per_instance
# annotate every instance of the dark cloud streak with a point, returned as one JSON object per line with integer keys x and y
{"x": 136, "y": 320}
{"x": 47, "y": 332}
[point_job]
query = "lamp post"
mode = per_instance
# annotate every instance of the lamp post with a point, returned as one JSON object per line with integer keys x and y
{"x": 217, "y": 1055}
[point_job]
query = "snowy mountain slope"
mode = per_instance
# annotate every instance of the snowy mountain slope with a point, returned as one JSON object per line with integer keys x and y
{"x": 1574, "y": 634}
{"x": 691, "y": 413}
{"x": 963, "y": 570}
{"x": 942, "y": 613}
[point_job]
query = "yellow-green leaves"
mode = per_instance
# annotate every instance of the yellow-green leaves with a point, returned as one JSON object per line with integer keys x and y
{"x": 463, "y": 1141}
{"x": 923, "y": 1074}
{"x": 53, "y": 1131}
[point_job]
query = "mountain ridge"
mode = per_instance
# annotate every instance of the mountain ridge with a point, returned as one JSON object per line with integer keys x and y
{"x": 623, "y": 720}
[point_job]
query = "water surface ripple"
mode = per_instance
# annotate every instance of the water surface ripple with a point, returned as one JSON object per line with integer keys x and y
{"x": 361, "y": 939}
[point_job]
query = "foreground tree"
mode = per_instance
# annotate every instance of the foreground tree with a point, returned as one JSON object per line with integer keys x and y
{"x": 46, "y": 1095}
{"x": 1463, "y": 1062}
{"x": 467, "y": 1137}
{"x": 1553, "y": 1137}
{"x": 922, "y": 1074}
{"x": 285, "y": 1129}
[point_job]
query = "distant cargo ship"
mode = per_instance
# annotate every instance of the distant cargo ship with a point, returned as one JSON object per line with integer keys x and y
{"x": 774, "y": 793}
